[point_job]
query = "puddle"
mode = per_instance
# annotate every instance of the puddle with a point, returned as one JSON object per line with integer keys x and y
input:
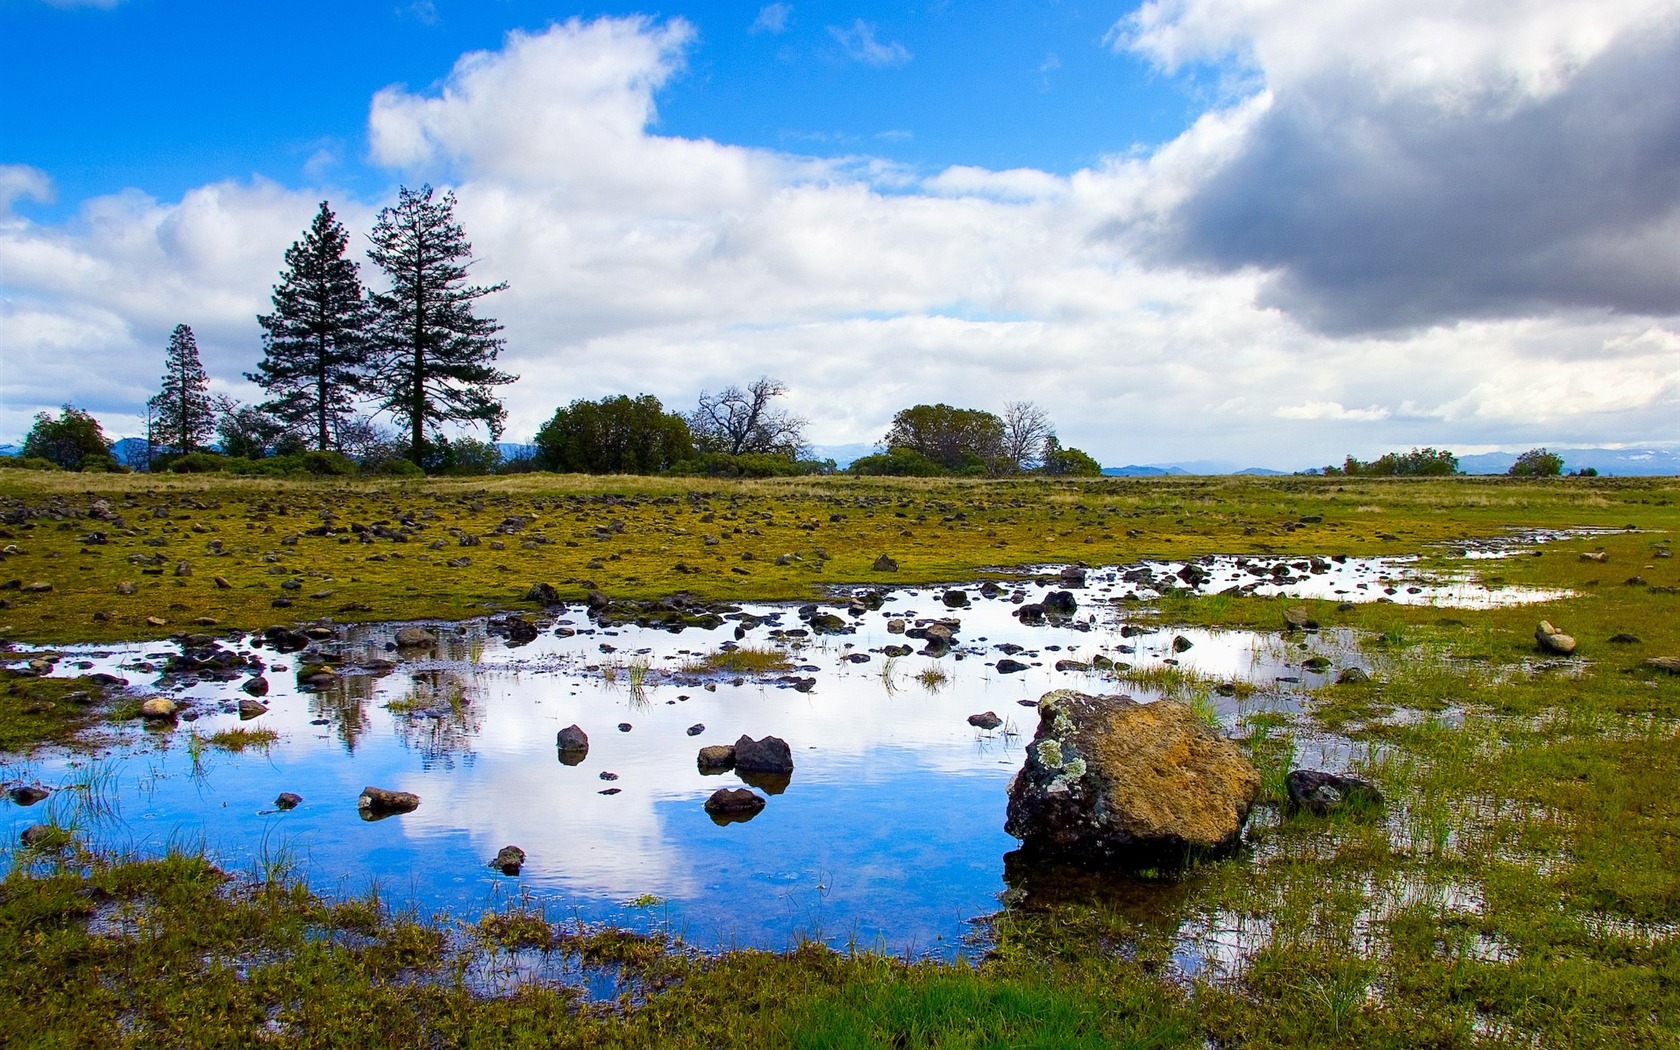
{"x": 889, "y": 834}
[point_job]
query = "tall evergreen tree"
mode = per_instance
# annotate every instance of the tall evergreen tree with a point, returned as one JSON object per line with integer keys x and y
{"x": 435, "y": 359}
{"x": 315, "y": 343}
{"x": 183, "y": 412}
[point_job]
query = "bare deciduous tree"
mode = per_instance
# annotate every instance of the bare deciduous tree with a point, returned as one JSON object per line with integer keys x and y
{"x": 735, "y": 421}
{"x": 1025, "y": 429}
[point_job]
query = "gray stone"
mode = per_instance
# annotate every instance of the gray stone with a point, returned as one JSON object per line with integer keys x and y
{"x": 378, "y": 802}
{"x": 770, "y": 754}
{"x": 1322, "y": 793}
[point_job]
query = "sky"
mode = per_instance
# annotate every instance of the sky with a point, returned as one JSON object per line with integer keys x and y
{"x": 1242, "y": 230}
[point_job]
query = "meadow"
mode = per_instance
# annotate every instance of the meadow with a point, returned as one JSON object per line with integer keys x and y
{"x": 1521, "y": 886}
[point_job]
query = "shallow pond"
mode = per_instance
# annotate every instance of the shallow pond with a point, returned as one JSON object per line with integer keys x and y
{"x": 889, "y": 834}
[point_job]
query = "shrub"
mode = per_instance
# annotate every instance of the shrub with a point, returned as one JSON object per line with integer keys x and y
{"x": 395, "y": 467}
{"x": 750, "y": 465}
{"x": 198, "y": 463}
{"x": 73, "y": 440}
{"x": 27, "y": 463}
{"x": 897, "y": 462}
{"x": 1537, "y": 463}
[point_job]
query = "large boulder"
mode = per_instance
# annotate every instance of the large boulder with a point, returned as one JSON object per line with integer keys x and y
{"x": 1552, "y": 640}
{"x": 1110, "y": 780}
{"x": 770, "y": 754}
{"x": 375, "y": 802}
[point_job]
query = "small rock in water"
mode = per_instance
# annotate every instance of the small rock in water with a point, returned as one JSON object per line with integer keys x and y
{"x": 250, "y": 708}
{"x": 412, "y": 637}
{"x": 609, "y": 791}
{"x": 1010, "y": 666}
{"x": 768, "y": 755}
{"x": 985, "y": 720}
{"x": 696, "y": 729}
{"x": 158, "y": 707}
{"x": 716, "y": 758}
{"x": 288, "y": 800}
{"x": 44, "y": 836}
{"x": 375, "y": 802}
{"x": 733, "y": 805}
{"x": 1181, "y": 643}
{"x": 608, "y": 776}
{"x": 1353, "y": 676}
{"x": 1321, "y": 793}
{"x": 509, "y": 859}
{"x": 1552, "y": 640}
{"x": 27, "y": 794}
{"x": 572, "y": 738}
{"x": 257, "y": 686}
{"x": 625, "y": 727}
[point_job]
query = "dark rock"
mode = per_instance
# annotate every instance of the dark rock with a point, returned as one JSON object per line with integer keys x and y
{"x": 250, "y": 708}
{"x": 1060, "y": 603}
{"x": 27, "y": 794}
{"x": 696, "y": 729}
{"x": 412, "y": 637}
{"x": 1072, "y": 576}
{"x": 257, "y": 686}
{"x": 1353, "y": 676}
{"x": 955, "y": 599}
{"x": 1008, "y": 665}
{"x": 44, "y": 836}
{"x": 770, "y": 754}
{"x": 625, "y": 727}
{"x": 1322, "y": 793}
{"x": 1181, "y": 644}
{"x": 572, "y": 739}
{"x": 543, "y": 594}
{"x": 733, "y": 805}
{"x": 1030, "y": 614}
{"x": 509, "y": 859}
{"x": 288, "y": 800}
{"x": 375, "y": 802}
{"x": 885, "y": 564}
{"x": 1110, "y": 780}
{"x": 1624, "y": 638}
{"x": 986, "y": 720}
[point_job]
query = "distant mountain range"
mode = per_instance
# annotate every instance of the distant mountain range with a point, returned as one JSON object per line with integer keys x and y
{"x": 1615, "y": 462}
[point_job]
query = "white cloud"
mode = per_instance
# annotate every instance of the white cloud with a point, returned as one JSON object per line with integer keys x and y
{"x": 20, "y": 182}
{"x": 640, "y": 262}
{"x": 772, "y": 19}
{"x": 858, "y": 41}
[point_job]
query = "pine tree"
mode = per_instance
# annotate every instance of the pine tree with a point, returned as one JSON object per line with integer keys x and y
{"x": 435, "y": 359}
{"x": 315, "y": 343}
{"x": 183, "y": 411}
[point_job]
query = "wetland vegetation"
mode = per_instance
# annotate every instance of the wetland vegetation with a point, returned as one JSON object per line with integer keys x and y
{"x": 1521, "y": 886}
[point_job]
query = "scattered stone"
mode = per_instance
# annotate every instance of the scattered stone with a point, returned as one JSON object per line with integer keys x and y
{"x": 604, "y": 775}
{"x": 609, "y": 791}
{"x": 1181, "y": 644}
{"x": 1624, "y": 638}
{"x": 895, "y": 626}
{"x": 986, "y": 720}
{"x": 375, "y": 802}
{"x": 885, "y": 564}
{"x": 1598, "y": 556}
{"x": 1667, "y": 664}
{"x": 257, "y": 686}
{"x": 221, "y": 583}
{"x": 770, "y": 754}
{"x": 509, "y": 859}
{"x": 1072, "y": 576}
{"x": 27, "y": 794}
{"x": 1298, "y": 618}
{"x": 625, "y": 727}
{"x": 1061, "y": 603}
{"x": 38, "y": 587}
{"x": 733, "y": 805}
{"x": 127, "y": 587}
{"x": 1110, "y": 780}
{"x": 412, "y": 637}
{"x": 716, "y": 758}
{"x": 288, "y": 800}
{"x": 156, "y": 621}
{"x": 572, "y": 738}
{"x": 1010, "y": 665}
{"x": 44, "y": 836}
{"x": 250, "y": 708}
{"x": 955, "y": 599}
{"x": 543, "y": 594}
{"x": 1316, "y": 663}
{"x": 1321, "y": 793}
{"x": 1353, "y": 676}
{"x": 696, "y": 729}
{"x": 158, "y": 707}
{"x": 1552, "y": 640}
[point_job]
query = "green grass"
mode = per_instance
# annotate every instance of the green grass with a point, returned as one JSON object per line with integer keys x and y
{"x": 743, "y": 661}
{"x": 1520, "y": 886}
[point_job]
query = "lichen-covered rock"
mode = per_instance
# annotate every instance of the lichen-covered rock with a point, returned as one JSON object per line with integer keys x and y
{"x": 1110, "y": 780}
{"x": 378, "y": 802}
{"x": 509, "y": 859}
{"x": 158, "y": 707}
{"x": 716, "y": 758}
{"x": 1322, "y": 793}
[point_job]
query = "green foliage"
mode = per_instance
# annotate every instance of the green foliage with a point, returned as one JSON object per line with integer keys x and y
{"x": 1068, "y": 462}
{"x": 461, "y": 457}
{"x": 615, "y": 435}
{"x": 1537, "y": 463}
{"x": 961, "y": 440}
{"x": 750, "y": 465}
{"x": 247, "y": 432}
{"x": 1418, "y": 463}
{"x": 72, "y": 441}
{"x": 897, "y": 462}
{"x": 27, "y": 463}
{"x": 194, "y": 463}
{"x": 434, "y": 360}
{"x": 395, "y": 468}
{"x": 315, "y": 343}
{"x": 183, "y": 412}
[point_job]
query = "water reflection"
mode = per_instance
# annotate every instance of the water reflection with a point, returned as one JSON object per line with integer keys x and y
{"x": 888, "y": 832}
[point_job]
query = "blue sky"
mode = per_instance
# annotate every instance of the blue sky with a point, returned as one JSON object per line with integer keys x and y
{"x": 165, "y": 95}
{"x": 1189, "y": 229}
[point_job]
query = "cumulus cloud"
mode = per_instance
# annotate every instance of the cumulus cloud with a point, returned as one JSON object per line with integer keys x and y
{"x": 859, "y": 43}
{"x": 22, "y": 182}
{"x": 1489, "y": 160}
{"x": 642, "y": 262}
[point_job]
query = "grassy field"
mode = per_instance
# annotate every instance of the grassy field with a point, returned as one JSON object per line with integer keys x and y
{"x": 1521, "y": 887}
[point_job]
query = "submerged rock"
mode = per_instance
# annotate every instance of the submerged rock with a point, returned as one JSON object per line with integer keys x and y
{"x": 1353, "y": 676}
{"x": 27, "y": 794}
{"x": 375, "y": 802}
{"x": 412, "y": 637}
{"x": 1321, "y": 793}
{"x": 1552, "y": 640}
{"x": 288, "y": 800}
{"x": 509, "y": 859}
{"x": 1113, "y": 781}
